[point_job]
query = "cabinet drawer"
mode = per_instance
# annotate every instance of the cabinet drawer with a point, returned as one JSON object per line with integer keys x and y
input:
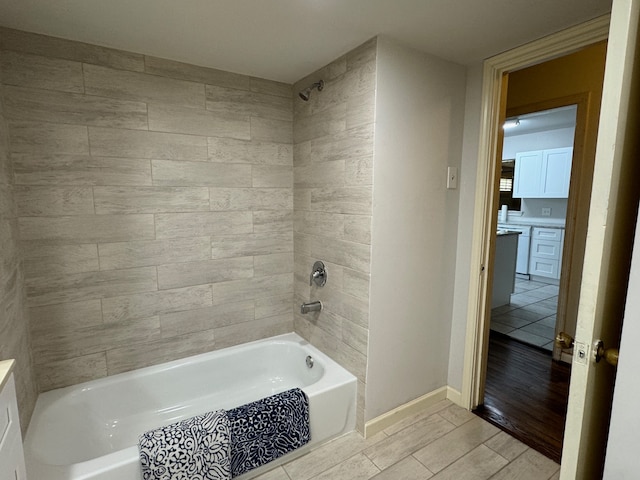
{"x": 544, "y": 268}
{"x": 547, "y": 233}
{"x": 546, "y": 249}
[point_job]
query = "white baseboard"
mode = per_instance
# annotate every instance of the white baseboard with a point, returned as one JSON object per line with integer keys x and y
{"x": 403, "y": 411}
{"x": 455, "y": 396}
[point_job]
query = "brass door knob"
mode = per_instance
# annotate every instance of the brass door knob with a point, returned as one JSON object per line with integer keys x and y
{"x": 564, "y": 341}
{"x": 610, "y": 355}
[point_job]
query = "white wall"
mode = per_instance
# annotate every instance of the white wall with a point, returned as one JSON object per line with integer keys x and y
{"x": 418, "y": 133}
{"x": 467, "y": 185}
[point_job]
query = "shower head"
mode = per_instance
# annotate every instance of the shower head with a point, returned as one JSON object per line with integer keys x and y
{"x": 306, "y": 93}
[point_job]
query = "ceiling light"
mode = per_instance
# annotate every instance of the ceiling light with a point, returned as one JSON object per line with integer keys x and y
{"x": 511, "y": 123}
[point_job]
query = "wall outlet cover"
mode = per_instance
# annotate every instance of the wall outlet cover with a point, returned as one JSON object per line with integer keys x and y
{"x": 546, "y": 211}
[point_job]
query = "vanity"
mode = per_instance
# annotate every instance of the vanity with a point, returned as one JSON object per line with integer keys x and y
{"x": 11, "y": 453}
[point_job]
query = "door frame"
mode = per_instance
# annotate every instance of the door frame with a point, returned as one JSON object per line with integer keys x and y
{"x": 484, "y": 218}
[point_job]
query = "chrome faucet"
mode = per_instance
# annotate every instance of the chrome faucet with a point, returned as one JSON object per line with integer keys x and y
{"x": 311, "y": 307}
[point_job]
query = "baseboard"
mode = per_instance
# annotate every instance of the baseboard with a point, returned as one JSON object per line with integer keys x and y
{"x": 403, "y": 411}
{"x": 455, "y": 396}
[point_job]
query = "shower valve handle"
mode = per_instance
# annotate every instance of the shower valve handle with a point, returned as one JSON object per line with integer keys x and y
{"x": 318, "y": 274}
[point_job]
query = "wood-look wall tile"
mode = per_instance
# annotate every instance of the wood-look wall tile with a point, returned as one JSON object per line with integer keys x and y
{"x": 358, "y": 170}
{"x": 272, "y": 221}
{"x": 119, "y": 200}
{"x": 329, "y": 122}
{"x": 337, "y": 301}
{"x": 149, "y": 304}
{"x": 63, "y": 342}
{"x": 363, "y": 55}
{"x": 223, "y": 199}
{"x": 174, "y": 225}
{"x": 133, "y": 357}
{"x": 355, "y": 336}
{"x": 179, "y": 173}
{"x": 319, "y": 174}
{"x": 111, "y": 142}
{"x": 53, "y": 201}
{"x": 274, "y": 306}
{"x": 271, "y": 130}
{"x": 319, "y": 223}
{"x": 63, "y": 373}
{"x": 73, "y": 287}
{"x": 224, "y": 246}
{"x": 356, "y": 142}
{"x": 272, "y": 264}
{"x": 153, "y": 252}
{"x": 357, "y": 228}
{"x": 256, "y": 288}
{"x": 42, "y": 260}
{"x": 251, "y": 331}
{"x": 272, "y": 176}
{"x": 302, "y": 153}
{"x": 44, "y": 45}
{"x": 81, "y": 314}
{"x": 33, "y": 169}
{"x": 356, "y": 283}
{"x": 208, "y": 271}
{"x": 48, "y": 138}
{"x": 108, "y": 82}
{"x": 189, "y": 321}
{"x": 194, "y": 73}
{"x": 61, "y": 107}
{"x": 229, "y": 100}
{"x": 361, "y": 110}
{"x": 347, "y": 254}
{"x": 270, "y": 87}
{"x": 197, "y": 121}
{"x": 231, "y": 150}
{"x": 86, "y": 229}
{"x": 349, "y": 200}
{"x": 35, "y": 71}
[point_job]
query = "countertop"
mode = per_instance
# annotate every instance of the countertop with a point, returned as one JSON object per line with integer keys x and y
{"x": 6, "y": 367}
{"x": 503, "y": 232}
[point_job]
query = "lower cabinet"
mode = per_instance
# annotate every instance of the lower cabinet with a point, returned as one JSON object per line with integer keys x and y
{"x": 545, "y": 259}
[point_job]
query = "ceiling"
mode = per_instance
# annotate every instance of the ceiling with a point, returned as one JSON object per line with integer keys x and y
{"x": 286, "y": 40}
{"x": 542, "y": 121}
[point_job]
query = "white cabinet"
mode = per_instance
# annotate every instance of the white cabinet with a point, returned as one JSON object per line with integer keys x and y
{"x": 11, "y": 454}
{"x": 543, "y": 173}
{"x": 546, "y": 252}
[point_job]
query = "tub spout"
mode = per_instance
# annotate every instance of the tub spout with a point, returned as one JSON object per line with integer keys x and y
{"x": 311, "y": 307}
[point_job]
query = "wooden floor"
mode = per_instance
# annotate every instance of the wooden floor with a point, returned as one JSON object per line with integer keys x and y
{"x": 526, "y": 394}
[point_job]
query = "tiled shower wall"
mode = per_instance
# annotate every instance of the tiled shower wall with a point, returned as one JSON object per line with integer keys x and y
{"x": 154, "y": 203}
{"x": 14, "y": 327}
{"x": 333, "y": 178}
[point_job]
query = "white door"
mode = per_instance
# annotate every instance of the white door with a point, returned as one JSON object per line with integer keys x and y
{"x": 614, "y": 203}
{"x": 621, "y": 461}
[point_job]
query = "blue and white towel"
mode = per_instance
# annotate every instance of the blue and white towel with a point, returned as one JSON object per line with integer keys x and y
{"x": 264, "y": 430}
{"x": 193, "y": 449}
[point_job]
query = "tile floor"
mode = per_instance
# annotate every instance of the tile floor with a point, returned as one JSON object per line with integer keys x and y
{"x": 531, "y": 315}
{"x": 441, "y": 442}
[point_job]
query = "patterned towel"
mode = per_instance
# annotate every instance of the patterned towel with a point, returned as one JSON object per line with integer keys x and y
{"x": 267, "y": 429}
{"x": 193, "y": 449}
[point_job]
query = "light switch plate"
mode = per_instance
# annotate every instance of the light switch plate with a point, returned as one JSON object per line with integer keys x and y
{"x": 452, "y": 178}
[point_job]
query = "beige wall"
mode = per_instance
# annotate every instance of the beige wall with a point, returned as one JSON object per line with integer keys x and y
{"x": 14, "y": 327}
{"x": 333, "y": 176}
{"x": 155, "y": 205}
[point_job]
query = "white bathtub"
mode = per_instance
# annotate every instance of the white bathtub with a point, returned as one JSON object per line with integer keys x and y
{"x": 90, "y": 430}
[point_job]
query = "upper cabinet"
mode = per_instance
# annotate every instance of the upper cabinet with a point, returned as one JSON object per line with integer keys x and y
{"x": 543, "y": 173}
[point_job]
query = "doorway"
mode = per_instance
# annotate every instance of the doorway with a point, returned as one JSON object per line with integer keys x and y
{"x": 526, "y": 385}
